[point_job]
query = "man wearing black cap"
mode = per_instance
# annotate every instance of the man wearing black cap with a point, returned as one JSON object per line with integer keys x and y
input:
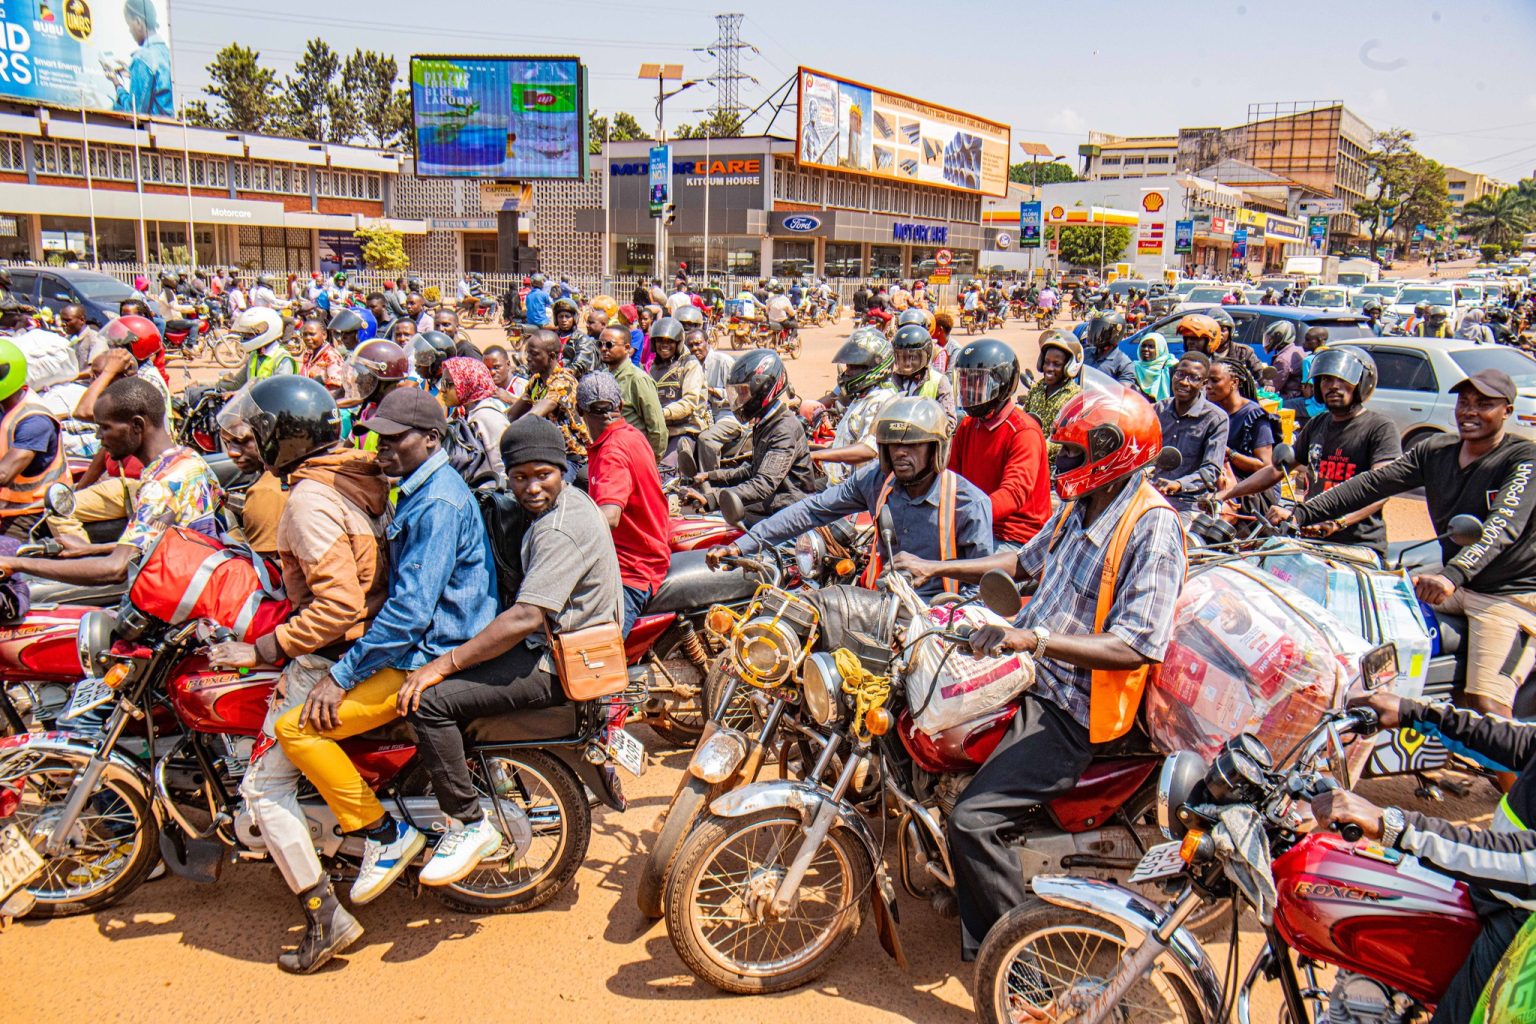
{"x": 442, "y": 583}
{"x": 1483, "y": 472}
{"x": 570, "y": 582}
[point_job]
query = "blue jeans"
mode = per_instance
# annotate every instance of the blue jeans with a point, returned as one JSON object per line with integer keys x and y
{"x": 635, "y": 601}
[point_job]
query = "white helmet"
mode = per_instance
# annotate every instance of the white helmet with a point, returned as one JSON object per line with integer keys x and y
{"x": 258, "y": 327}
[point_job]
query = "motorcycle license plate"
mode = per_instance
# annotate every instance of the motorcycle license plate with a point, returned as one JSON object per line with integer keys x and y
{"x": 627, "y": 751}
{"x": 19, "y": 863}
{"x": 88, "y": 694}
{"x": 1162, "y": 861}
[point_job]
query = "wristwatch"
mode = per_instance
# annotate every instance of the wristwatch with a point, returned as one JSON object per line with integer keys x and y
{"x": 1042, "y": 638}
{"x": 1393, "y": 822}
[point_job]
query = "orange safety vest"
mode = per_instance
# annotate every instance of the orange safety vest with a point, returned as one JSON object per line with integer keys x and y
{"x": 1115, "y": 695}
{"x": 24, "y": 495}
{"x": 949, "y": 484}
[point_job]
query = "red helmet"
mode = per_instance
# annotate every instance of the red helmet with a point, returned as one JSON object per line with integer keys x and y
{"x": 133, "y": 332}
{"x": 1106, "y": 433}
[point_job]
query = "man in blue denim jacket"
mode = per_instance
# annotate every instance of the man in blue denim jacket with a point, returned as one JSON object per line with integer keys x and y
{"x": 442, "y": 583}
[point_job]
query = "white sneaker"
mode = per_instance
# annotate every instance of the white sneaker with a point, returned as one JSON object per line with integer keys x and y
{"x": 383, "y": 862}
{"x": 460, "y": 852}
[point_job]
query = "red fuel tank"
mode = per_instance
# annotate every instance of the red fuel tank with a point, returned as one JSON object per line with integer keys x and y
{"x": 1340, "y": 904}
{"x": 961, "y": 749}
{"x": 42, "y": 645}
{"x": 221, "y": 700}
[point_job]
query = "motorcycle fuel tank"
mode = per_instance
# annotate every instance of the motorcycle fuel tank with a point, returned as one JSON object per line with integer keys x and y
{"x": 221, "y": 700}
{"x": 1348, "y": 904}
{"x": 961, "y": 749}
{"x": 42, "y": 645}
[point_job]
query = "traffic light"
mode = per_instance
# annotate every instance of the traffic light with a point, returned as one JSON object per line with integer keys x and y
{"x": 669, "y": 214}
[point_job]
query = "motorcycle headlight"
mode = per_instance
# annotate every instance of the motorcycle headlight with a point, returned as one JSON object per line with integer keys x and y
{"x": 823, "y": 686}
{"x": 93, "y": 640}
{"x": 1181, "y": 773}
{"x": 766, "y": 650}
{"x": 810, "y": 555}
{"x": 718, "y": 757}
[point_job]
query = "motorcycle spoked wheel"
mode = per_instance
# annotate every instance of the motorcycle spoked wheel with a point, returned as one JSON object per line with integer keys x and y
{"x": 718, "y": 893}
{"x": 1212, "y": 919}
{"x": 116, "y": 838}
{"x": 1038, "y": 952}
{"x": 227, "y": 350}
{"x": 550, "y": 795}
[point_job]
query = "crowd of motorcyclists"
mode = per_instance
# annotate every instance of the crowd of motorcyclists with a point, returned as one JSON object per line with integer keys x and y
{"x": 370, "y": 422}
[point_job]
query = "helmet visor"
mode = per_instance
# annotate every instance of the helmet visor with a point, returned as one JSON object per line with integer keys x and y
{"x": 911, "y": 361}
{"x": 235, "y": 416}
{"x": 1340, "y": 363}
{"x": 738, "y": 395}
{"x": 973, "y": 387}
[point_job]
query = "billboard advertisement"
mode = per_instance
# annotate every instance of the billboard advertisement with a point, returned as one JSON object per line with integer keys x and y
{"x": 660, "y": 178}
{"x": 851, "y": 127}
{"x": 1029, "y": 225}
{"x": 499, "y": 117}
{"x": 1240, "y": 243}
{"x": 1183, "y": 237}
{"x": 74, "y": 53}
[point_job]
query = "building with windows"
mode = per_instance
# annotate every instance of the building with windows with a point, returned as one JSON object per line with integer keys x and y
{"x": 1109, "y": 157}
{"x": 120, "y": 190}
{"x": 746, "y": 208}
{"x": 1464, "y": 187}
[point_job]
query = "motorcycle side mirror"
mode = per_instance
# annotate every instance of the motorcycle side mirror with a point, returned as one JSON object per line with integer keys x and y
{"x": 731, "y": 507}
{"x": 60, "y": 500}
{"x": 1169, "y": 459}
{"x": 887, "y": 527}
{"x": 1000, "y": 595}
{"x": 1464, "y": 529}
{"x": 1284, "y": 457}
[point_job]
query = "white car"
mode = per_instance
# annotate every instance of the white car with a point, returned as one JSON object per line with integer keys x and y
{"x": 1384, "y": 291}
{"x": 1415, "y": 377}
{"x": 1334, "y": 298}
{"x": 1417, "y": 292}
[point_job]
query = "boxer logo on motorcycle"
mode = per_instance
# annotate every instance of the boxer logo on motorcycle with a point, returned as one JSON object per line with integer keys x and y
{"x": 1102, "y": 616}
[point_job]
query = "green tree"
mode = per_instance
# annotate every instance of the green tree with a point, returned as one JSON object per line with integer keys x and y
{"x": 400, "y": 122}
{"x": 245, "y": 90}
{"x": 1424, "y": 198}
{"x": 307, "y": 92}
{"x": 624, "y": 128}
{"x": 1049, "y": 173}
{"x": 1089, "y": 246}
{"x": 198, "y": 115}
{"x": 1398, "y": 187}
{"x": 371, "y": 79}
{"x": 1497, "y": 219}
{"x": 383, "y": 248}
{"x": 722, "y": 124}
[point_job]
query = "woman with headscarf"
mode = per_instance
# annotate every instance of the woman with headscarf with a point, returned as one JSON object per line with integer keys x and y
{"x": 468, "y": 387}
{"x": 1154, "y": 366}
{"x": 648, "y": 316}
{"x": 629, "y": 319}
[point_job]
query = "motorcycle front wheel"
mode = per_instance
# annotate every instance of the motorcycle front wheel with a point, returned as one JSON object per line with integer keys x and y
{"x": 1039, "y": 952}
{"x": 719, "y": 894}
{"x": 514, "y": 879}
{"x": 227, "y": 350}
{"x": 112, "y": 845}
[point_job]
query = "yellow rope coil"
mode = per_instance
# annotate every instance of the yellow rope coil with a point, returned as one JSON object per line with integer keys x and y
{"x": 868, "y": 690}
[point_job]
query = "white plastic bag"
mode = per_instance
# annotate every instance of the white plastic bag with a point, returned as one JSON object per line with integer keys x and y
{"x": 944, "y": 692}
{"x": 50, "y": 359}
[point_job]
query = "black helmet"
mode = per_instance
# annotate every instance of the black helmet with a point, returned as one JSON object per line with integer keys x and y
{"x": 985, "y": 375}
{"x": 669, "y": 328}
{"x": 1104, "y": 331}
{"x": 413, "y": 284}
{"x": 690, "y": 316}
{"x": 1350, "y": 365}
{"x": 912, "y": 337}
{"x": 347, "y": 321}
{"x": 292, "y": 417}
{"x": 429, "y": 349}
{"x": 756, "y": 380}
{"x": 1499, "y": 315}
{"x": 1224, "y": 321}
{"x": 1278, "y": 335}
{"x": 1420, "y": 308}
{"x": 1370, "y": 307}
{"x": 866, "y": 362}
{"x": 913, "y": 315}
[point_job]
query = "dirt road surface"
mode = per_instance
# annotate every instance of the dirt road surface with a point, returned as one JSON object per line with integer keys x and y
{"x": 176, "y": 951}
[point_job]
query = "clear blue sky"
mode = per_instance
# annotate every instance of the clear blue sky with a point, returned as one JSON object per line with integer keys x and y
{"x": 1456, "y": 72}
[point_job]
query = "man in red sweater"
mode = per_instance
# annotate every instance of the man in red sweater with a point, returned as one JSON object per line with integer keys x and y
{"x": 623, "y": 480}
{"x": 997, "y": 446}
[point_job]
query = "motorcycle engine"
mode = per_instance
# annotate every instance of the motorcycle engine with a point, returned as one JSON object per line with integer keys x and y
{"x": 1357, "y": 999}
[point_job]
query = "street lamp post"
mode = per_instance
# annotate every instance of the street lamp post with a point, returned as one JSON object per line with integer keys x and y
{"x": 663, "y": 73}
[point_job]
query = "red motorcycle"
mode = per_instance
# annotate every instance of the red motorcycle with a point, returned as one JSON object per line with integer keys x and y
{"x": 100, "y": 818}
{"x": 1084, "y": 950}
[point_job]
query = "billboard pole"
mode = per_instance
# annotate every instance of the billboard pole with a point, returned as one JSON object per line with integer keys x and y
{"x": 607, "y": 206}
{"x": 90, "y": 191}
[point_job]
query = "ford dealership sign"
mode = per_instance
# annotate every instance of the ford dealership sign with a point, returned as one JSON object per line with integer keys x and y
{"x": 801, "y": 223}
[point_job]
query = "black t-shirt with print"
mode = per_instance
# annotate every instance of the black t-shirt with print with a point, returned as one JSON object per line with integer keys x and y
{"x": 1336, "y": 451}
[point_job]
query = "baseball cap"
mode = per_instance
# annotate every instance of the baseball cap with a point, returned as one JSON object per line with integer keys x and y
{"x": 406, "y": 409}
{"x": 1493, "y": 383}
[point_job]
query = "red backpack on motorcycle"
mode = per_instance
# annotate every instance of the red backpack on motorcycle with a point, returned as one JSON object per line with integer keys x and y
{"x": 188, "y": 575}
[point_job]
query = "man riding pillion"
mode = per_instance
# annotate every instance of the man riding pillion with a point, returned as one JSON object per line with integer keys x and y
{"x": 911, "y": 372}
{"x": 863, "y": 388}
{"x": 935, "y": 513}
{"x": 1102, "y": 349}
{"x": 260, "y": 331}
{"x": 779, "y": 473}
{"x": 998, "y": 446}
{"x": 330, "y": 542}
{"x": 1482, "y": 471}
{"x": 1110, "y": 564}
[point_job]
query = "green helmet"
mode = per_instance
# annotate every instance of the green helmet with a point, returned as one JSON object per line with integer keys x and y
{"x": 13, "y": 369}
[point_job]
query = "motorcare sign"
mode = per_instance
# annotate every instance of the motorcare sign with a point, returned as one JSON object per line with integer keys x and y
{"x": 79, "y": 53}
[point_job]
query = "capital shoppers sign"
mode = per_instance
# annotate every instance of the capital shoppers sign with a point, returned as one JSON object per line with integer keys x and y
{"x": 74, "y": 53}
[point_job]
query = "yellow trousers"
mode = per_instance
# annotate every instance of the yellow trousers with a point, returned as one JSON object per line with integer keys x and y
{"x": 368, "y": 705}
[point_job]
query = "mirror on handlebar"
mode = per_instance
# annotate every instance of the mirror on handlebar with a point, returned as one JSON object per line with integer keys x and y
{"x": 1378, "y": 666}
{"x": 1464, "y": 530}
{"x": 731, "y": 507}
{"x": 1168, "y": 460}
{"x": 59, "y": 500}
{"x": 1000, "y": 594}
{"x": 1284, "y": 457}
{"x": 887, "y": 527}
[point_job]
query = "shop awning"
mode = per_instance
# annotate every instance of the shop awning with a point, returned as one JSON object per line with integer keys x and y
{"x": 1091, "y": 216}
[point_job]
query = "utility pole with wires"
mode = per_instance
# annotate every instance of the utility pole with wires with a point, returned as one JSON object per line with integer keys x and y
{"x": 726, "y": 51}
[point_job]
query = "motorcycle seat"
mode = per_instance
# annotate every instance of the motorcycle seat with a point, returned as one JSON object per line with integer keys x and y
{"x": 51, "y": 592}
{"x": 554, "y": 723}
{"x": 691, "y": 583}
{"x": 180, "y": 325}
{"x": 1453, "y": 630}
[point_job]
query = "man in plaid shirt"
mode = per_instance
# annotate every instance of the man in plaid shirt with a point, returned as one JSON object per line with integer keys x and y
{"x": 1089, "y": 668}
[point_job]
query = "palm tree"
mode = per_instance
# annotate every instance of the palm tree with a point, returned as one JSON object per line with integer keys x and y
{"x": 1500, "y": 218}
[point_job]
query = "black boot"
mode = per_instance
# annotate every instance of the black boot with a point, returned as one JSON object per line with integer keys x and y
{"x": 331, "y": 930}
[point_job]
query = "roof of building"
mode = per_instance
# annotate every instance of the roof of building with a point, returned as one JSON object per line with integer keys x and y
{"x": 1232, "y": 171}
